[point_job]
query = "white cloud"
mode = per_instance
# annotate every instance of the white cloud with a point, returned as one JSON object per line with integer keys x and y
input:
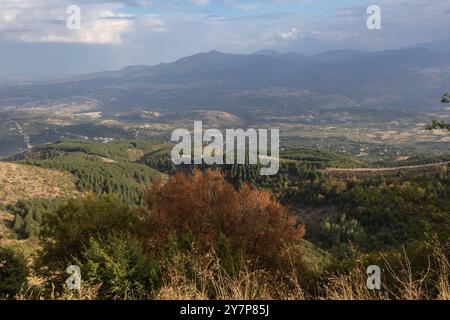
{"x": 253, "y": 5}
{"x": 272, "y": 37}
{"x": 45, "y": 21}
{"x": 102, "y": 31}
{"x": 289, "y": 35}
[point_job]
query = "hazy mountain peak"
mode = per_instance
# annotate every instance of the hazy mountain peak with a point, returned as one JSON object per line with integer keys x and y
{"x": 215, "y": 52}
{"x": 336, "y": 55}
{"x": 440, "y": 46}
{"x": 267, "y": 52}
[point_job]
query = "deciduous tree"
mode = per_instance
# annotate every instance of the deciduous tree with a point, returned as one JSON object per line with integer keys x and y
{"x": 204, "y": 205}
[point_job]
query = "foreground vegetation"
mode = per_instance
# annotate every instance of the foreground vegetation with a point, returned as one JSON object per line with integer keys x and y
{"x": 216, "y": 243}
{"x": 224, "y": 234}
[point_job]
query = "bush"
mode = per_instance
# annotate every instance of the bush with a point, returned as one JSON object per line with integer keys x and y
{"x": 119, "y": 266}
{"x": 13, "y": 273}
{"x": 66, "y": 233}
{"x": 207, "y": 207}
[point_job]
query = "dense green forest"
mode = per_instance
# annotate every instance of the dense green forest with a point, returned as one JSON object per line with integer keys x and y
{"x": 102, "y": 168}
{"x": 28, "y": 215}
{"x": 122, "y": 150}
{"x": 125, "y": 179}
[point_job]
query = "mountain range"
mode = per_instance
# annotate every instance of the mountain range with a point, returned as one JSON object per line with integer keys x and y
{"x": 413, "y": 77}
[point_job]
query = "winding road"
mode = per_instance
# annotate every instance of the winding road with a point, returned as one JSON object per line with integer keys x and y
{"x": 384, "y": 170}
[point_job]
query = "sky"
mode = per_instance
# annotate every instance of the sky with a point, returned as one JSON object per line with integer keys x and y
{"x": 36, "y": 43}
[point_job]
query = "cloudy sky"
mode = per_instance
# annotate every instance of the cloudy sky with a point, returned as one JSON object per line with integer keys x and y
{"x": 35, "y": 41}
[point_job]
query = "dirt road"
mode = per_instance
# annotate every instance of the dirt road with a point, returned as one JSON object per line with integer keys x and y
{"x": 384, "y": 170}
{"x": 26, "y": 138}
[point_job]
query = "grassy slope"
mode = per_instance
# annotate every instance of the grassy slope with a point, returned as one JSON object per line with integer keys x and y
{"x": 19, "y": 181}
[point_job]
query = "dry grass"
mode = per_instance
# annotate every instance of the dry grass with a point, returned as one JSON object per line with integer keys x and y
{"x": 443, "y": 275}
{"x": 204, "y": 279}
{"x": 25, "y": 182}
{"x": 207, "y": 279}
{"x": 406, "y": 285}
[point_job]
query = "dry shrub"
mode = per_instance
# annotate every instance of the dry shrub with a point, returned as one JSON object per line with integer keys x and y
{"x": 85, "y": 293}
{"x": 194, "y": 277}
{"x": 205, "y": 205}
{"x": 407, "y": 285}
{"x": 443, "y": 272}
{"x": 404, "y": 284}
{"x": 350, "y": 286}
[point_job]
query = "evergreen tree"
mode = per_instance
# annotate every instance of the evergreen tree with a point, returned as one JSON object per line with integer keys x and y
{"x": 13, "y": 273}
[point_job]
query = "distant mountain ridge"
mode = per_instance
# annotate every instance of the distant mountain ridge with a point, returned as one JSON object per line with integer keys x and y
{"x": 409, "y": 77}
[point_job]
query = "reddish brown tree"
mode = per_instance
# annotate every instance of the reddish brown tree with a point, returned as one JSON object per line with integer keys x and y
{"x": 205, "y": 205}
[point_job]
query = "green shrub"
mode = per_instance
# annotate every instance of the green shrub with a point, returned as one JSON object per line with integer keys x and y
{"x": 13, "y": 273}
{"x": 67, "y": 232}
{"x": 119, "y": 266}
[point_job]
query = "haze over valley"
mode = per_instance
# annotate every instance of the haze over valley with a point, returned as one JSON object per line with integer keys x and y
{"x": 373, "y": 105}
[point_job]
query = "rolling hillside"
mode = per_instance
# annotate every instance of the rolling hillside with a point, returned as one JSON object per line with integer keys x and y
{"x": 19, "y": 181}
{"x": 23, "y": 182}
